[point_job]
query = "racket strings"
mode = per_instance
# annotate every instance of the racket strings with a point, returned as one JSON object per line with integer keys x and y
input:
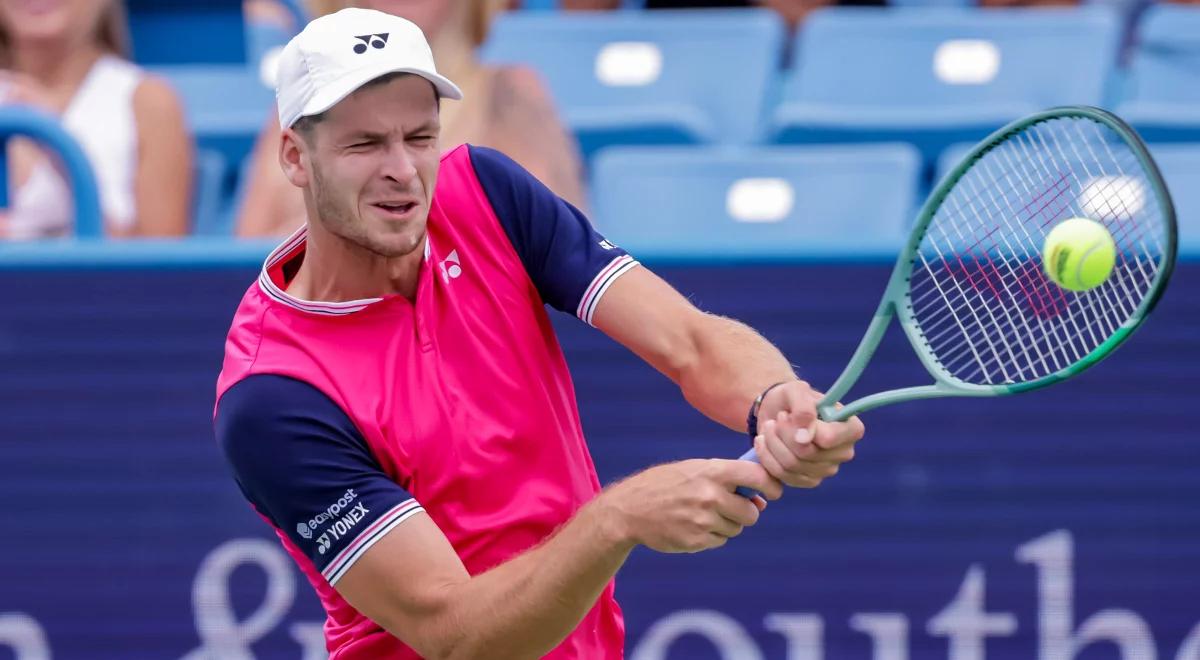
{"x": 1023, "y": 334}
{"x": 1029, "y": 287}
{"x": 1041, "y": 209}
{"x": 979, "y": 295}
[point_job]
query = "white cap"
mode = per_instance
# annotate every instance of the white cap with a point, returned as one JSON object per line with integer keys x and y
{"x": 338, "y": 53}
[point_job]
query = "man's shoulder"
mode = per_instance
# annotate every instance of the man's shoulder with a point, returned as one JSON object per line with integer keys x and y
{"x": 265, "y": 405}
{"x": 483, "y": 162}
{"x": 244, "y": 338}
{"x": 264, "y": 398}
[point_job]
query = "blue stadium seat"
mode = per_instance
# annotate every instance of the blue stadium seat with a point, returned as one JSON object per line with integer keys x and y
{"x": 167, "y": 32}
{"x": 226, "y": 106}
{"x": 950, "y": 157}
{"x": 263, "y": 39}
{"x": 772, "y": 202}
{"x": 663, "y": 77}
{"x": 209, "y": 198}
{"x": 1180, "y": 165}
{"x": 939, "y": 75}
{"x": 1163, "y": 85}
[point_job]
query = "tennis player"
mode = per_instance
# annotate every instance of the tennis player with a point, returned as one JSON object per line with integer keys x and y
{"x": 394, "y": 403}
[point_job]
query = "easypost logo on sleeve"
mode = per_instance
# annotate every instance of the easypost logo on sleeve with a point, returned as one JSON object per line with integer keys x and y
{"x": 343, "y": 516}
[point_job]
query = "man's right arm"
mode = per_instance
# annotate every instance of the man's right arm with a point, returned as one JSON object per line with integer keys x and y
{"x": 292, "y": 451}
{"x": 413, "y": 584}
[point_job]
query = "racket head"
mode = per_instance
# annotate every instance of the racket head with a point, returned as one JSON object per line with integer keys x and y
{"x": 969, "y": 289}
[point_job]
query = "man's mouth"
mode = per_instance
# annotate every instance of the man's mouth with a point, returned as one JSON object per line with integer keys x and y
{"x": 396, "y": 208}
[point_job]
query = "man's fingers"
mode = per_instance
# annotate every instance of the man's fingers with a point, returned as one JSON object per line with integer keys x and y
{"x": 738, "y": 510}
{"x": 726, "y": 527}
{"x": 782, "y": 451}
{"x": 734, "y": 473}
{"x": 806, "y": 470}
{"x": 781, "y": 426}
{"x": 766, "y": 458}
{"x": 836, "y": 434}
{"x": 800, "y": 404}
{"x": 798, "y": 441}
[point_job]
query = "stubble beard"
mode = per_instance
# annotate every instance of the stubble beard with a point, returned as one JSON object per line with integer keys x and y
{"x": 342, "y": 221}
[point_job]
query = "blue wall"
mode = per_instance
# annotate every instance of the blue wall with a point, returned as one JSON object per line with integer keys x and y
{"x": 124, "y": 537}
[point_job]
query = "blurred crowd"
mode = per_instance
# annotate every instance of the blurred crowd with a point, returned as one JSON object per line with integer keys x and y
{"x": 71, "y": 58}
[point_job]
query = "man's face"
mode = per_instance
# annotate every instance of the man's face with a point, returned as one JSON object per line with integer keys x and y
{"x": 374, "y": 163}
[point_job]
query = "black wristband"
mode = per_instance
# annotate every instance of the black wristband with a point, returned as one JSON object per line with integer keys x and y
{"x": 752, "y": 418}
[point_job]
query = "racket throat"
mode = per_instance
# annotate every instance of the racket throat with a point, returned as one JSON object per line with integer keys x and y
{"x": 934, "y": 391}
{"x": 854, "y": 369}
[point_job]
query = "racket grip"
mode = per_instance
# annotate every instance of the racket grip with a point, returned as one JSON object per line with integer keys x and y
{"x": 748, "y": 493}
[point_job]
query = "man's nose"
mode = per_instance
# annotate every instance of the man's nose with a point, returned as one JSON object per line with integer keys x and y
{"x": 398, "y": 164}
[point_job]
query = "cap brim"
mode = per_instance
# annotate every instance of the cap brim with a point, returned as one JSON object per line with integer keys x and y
{"x": 332, "y": 93}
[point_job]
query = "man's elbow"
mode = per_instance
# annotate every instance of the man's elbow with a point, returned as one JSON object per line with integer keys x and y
{"x": 433, "y": 629}
{"x": 685, "y": 353}
{"x": 705, "y": 336}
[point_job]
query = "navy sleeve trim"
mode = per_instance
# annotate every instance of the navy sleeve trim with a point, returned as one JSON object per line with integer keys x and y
{"x": 569, "y": 262}
{"x": 599, "y": 285}
{"x": 338, "y": 566}
{"x": 304, "y": 465}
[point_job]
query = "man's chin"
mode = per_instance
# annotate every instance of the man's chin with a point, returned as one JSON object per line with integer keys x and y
{"x": 393, "y": 246}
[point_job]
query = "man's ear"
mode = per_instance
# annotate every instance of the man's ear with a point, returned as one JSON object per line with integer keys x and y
{"x": 294, "y": 158}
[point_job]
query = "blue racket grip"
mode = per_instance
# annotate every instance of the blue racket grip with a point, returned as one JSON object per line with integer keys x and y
{"x": 748, "y": 493}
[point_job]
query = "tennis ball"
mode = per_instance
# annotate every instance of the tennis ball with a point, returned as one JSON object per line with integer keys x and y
{"x": 1079, "y": 254}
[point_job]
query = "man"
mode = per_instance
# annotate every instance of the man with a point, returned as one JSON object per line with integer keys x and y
{"x": 394, "y": 403}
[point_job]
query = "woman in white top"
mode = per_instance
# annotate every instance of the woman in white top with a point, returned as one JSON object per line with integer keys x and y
{"x": 67, "y": 57}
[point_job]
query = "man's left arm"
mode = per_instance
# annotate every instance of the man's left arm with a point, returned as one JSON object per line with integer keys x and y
{"x": 722, "y": 365}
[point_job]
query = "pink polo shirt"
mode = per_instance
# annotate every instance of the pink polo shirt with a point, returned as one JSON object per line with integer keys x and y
{"x": 342, "y": 420}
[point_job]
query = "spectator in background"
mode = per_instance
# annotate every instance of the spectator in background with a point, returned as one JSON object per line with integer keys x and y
{"x": 270, "y": 12}
{"x": 510, "y": 110}
{"x": 68, "y": 58}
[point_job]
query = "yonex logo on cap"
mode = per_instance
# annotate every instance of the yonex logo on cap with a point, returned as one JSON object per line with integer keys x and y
{"x": 376, "y": 41}
{"x": 399, "y": 45}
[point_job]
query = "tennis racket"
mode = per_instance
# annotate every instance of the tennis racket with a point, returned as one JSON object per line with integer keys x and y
{"x": 970, "y": 290}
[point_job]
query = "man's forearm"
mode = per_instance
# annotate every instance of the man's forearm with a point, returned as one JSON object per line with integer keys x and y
{"x": 732, "y": 365}
{"x": 526, "y": 606}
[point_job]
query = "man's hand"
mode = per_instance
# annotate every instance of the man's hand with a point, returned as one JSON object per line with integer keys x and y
{"x": 795, "y": 446}
{"x": 688, "y": 506}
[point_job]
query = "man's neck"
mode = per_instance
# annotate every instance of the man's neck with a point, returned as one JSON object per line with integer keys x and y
{"x": 336, "y": 270}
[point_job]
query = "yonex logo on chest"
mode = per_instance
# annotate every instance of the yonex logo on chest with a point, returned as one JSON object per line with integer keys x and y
{"x": 451, "y": 266}
{"x": 375, "y": 41}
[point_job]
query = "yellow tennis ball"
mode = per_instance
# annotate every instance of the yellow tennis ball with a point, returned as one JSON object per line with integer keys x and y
{"x": 1079, "y": 254}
